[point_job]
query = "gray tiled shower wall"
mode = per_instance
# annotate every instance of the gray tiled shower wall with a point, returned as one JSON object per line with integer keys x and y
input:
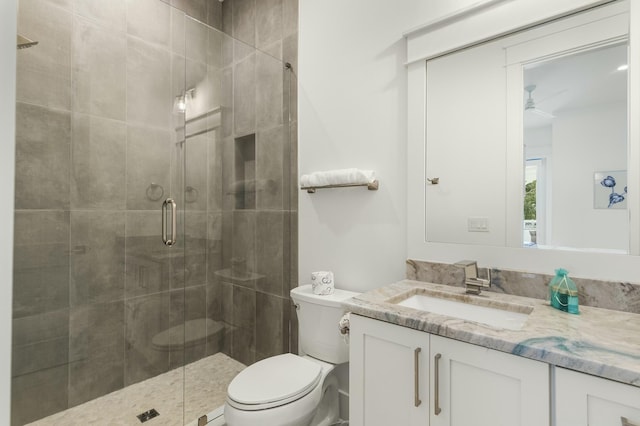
{"x": 95, "y": 156}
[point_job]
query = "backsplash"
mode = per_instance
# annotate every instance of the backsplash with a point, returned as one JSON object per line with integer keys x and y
{"x": 615, "y": 295}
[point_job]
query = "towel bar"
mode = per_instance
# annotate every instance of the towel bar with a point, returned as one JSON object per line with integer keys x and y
{"x": 371, "y": 186}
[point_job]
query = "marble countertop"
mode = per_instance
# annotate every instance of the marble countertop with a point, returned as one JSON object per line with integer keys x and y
{"x": 601, "y": 342}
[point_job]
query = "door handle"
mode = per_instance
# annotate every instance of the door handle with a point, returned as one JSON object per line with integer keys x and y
{"x": 416, "y": 377}
{"x": 436, "y": 384}
{"x": 165, "y": 212}
{"x": 625, "y": 422}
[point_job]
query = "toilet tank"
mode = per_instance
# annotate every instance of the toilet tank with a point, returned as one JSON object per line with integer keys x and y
{"x": 318, "y": 317}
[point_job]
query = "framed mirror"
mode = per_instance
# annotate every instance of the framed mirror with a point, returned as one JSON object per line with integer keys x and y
{"x": 527, "y": 133}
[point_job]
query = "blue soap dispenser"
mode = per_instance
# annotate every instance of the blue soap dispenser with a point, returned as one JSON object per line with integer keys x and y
{"x": 563, "y": 292}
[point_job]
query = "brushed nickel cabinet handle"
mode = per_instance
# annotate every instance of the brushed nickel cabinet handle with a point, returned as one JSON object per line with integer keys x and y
{"x": 165, "y": 239}
{"x": 625, "y": 422}
{"x": 436, "y": 384}
{"x": 416, "y": 377}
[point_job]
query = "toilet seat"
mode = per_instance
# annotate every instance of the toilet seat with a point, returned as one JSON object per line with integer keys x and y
{"x": 273, "y": 382}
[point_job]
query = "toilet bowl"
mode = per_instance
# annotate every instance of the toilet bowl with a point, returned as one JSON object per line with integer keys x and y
{"x": 295, "y": 390}
{"x": 284, "y": 390}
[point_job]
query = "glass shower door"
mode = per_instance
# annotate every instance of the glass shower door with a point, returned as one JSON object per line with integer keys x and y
{"x": 238, "y": 215}
{"x": 98, "y": 305}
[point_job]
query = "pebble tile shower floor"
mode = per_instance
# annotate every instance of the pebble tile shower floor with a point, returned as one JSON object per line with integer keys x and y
{"x": 205, "y": 389}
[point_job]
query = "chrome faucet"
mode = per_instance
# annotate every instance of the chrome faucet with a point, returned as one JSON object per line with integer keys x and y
{"x": 473, "y": 284}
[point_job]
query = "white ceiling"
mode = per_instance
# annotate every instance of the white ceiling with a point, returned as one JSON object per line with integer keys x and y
{"x": 576, "y": 81}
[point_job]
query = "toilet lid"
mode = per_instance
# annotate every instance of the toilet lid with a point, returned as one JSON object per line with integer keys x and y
{"x": 280, "y": 378}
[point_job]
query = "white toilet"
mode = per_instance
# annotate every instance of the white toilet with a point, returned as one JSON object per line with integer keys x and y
{"x": 292, "y": 390}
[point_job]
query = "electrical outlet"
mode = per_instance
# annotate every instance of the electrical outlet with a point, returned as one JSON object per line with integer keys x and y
{"x": 478, "y": 224}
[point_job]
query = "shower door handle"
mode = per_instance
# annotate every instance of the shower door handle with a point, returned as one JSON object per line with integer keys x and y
{"x": 165, "y": 211}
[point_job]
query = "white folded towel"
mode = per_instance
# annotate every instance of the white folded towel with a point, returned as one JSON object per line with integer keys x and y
{"x": 338, "y": 177}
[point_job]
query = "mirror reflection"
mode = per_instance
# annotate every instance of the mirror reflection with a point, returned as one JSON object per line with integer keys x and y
{"x": 575, "y": 147}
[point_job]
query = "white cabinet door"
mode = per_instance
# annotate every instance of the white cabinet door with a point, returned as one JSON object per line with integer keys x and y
{"x": 584, "y": 400}
{"x": 388, "y": 374}
{"x": 480, "y": 386}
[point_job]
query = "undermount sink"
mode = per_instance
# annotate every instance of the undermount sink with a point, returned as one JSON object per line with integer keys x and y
{"x": 471, "y": 308}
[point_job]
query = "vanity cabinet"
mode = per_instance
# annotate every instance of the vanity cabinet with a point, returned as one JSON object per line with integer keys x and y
{"x": 473, "y": 385}
{"x": 400, "y": 376}
{"x": 584, "y": 400}
{"x": 388, "y": 374}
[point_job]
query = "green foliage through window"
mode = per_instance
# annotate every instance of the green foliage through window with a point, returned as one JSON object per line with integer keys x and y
{"x": 530, "y": 201}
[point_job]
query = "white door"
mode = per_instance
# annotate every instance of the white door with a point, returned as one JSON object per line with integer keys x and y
{"x": 584, "y": 400}
{"x": 388, "y": 374}
{"x": 479, "y": 386}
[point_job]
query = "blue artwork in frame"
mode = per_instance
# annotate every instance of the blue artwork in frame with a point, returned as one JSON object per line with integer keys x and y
{"x": 610, "y": 190}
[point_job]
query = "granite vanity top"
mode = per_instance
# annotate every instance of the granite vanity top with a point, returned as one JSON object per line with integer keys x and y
{"x": 601, "y": 342}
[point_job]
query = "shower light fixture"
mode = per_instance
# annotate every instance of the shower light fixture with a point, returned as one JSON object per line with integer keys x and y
{"x": 183, "y": 100}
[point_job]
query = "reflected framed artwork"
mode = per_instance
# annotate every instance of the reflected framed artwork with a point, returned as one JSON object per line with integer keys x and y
{"x": 610, "y": 189}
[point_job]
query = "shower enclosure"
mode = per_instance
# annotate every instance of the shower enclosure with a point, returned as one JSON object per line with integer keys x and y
{"x": 155, "y": 219}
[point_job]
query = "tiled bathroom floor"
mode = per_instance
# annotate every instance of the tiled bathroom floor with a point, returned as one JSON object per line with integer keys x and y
{"x": 205, "y": 389}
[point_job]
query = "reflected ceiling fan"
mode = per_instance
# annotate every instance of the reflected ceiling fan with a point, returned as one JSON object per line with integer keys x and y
{"x": 530, "y": 104}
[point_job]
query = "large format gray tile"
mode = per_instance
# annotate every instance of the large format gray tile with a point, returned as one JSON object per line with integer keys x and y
{"x": 270, "y": 168}
{"x": 99, "y": 70}
{"x": 195, "y": 8}
{"x": 227, "y": 18}
{"x": 227, "y": 316}
{"x": 289, "y": 17}
{"x": 244, "y": 321}
{"x": 196, "y": 174}
{"x": 269, "y": 325}
{"x": 269, "y": 91}
{"x": 226, "y": 101}
{"x": 44, "y": 71}
{"x": 195, "y": 250}
{"x": 214, "y": 244}
{"x": 188, "y": 305}
{"x": 216, "y": 49}
{"x": 290, "y": 55}
{"x": 197, "y": 38}
{"x": 111, "y": 14}
{"x": 147, "y": 260}
{"x": 97, "y": 257}
{"x": 97, "y": 330}
{"x": 214, "y": 174}
{"x": 43, "y": 139}
{"x": 39, "y": 352}
{"x": 149, "y": 20}
{"x": 214, "y": 14}
{"x": 292, "y": 259}
{"x": 148, "y": 163}
{"x": 96, "y": 351}
{"x": 39, "y": 394}
{"x": 40, "y": 327}
{"x": 243, "y": 243}
{"x": 269, "y": 14}
{"x": 98, "y": 163}
{"x": 244, "y": 20}
{"x": 178, "y": 35}
{"x": 214, "y": 95}
{"x": 40, "y": 262}
{"x": 270, "y": 244}
{"x": 291, "y": 202}
{"x": 244, "y": 96}
{"x": 149, "y": 97}
{"x": 145, "y": 317}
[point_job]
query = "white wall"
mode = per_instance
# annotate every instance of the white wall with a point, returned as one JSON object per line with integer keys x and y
{"x": 597, "y": 138}
{"x": 8, "y": 28}
{"x": 352, "y": 113}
